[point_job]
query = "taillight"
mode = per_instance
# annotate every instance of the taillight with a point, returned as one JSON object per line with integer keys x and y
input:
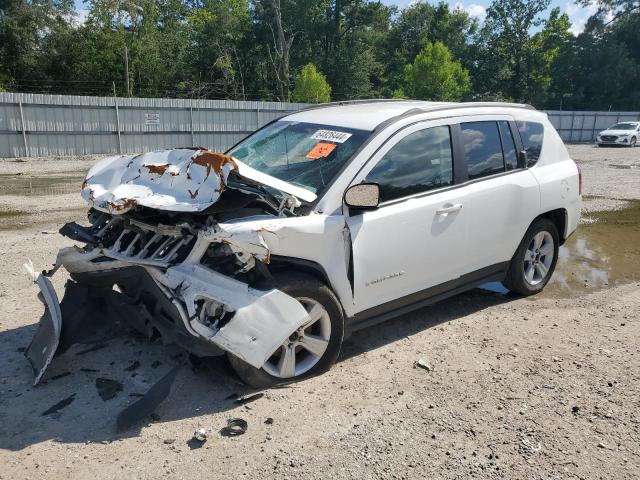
{"x": 579, "y": 178}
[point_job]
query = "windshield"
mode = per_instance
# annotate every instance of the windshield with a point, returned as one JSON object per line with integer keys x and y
{"x": 305, "y": 154}
{"x": 623, "y": 126}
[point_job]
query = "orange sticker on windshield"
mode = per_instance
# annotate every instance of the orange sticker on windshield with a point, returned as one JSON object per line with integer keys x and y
{"x": 321, "y": 150}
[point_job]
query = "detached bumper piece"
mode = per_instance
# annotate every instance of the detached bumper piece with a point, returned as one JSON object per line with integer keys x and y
{"x": 45, "y": 342}
{"x": 86, "y": 315}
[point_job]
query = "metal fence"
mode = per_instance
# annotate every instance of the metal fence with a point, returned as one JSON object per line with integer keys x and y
{"x": 39, "y": 125}
{"x": 580, "y": 127}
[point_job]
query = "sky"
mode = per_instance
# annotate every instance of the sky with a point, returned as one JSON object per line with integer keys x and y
{"x": 577, "y": 15}
{"x": 477, "y": 8}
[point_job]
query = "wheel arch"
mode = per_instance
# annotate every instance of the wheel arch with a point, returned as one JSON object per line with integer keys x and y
{"x": 281, "y": 263}
{"x": 559, "y": 218}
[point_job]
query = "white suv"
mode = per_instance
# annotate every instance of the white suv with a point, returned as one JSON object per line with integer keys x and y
{"x": 322, "y": 222}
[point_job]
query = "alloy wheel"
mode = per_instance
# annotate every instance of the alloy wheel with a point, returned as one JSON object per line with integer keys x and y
{"x": 538, "y": 258}
{"x": 305, "y": 347}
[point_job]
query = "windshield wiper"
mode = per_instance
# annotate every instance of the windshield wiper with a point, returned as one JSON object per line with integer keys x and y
{"x": 271, "y": 199}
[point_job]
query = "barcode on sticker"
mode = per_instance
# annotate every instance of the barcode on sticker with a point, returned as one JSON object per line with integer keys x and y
{"x": 331, "y": 136}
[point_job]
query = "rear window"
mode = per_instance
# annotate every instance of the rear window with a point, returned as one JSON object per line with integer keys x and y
{"x": 531, "y": 134}
{"x": 482, "y": 149}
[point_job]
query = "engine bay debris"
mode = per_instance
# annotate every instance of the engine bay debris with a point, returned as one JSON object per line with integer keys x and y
{"x": 178, "y": 246}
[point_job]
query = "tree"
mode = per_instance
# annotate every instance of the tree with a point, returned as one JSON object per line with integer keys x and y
{"x": 552, "y": 49}
{"x": 311, "y": 86}
{"x": 30, "y": 32}
{"x": 418, "y": 24}
{"x": 434, "y": 75}
{"x": 506, "y": 52}
{"x": 617, "y": 8}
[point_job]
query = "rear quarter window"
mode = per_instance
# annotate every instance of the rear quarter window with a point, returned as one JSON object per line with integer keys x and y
{"x": 532, "y": 134}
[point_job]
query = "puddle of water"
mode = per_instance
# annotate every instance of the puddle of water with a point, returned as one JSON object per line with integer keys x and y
{"x": 625, "y": 166}
{"x": 12, "y": 213}
{"x": 598, "y": 255}
{"x": 51, "y": 184}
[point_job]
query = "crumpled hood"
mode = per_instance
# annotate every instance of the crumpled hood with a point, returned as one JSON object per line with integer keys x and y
{"x": 181, "y": 180}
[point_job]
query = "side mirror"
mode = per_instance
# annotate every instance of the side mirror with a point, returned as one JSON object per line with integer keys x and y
{"x": 523, "y": 159}
{"x": 364, "y": 196}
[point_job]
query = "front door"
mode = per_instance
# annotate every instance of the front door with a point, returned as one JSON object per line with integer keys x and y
{"x": 416, "y": 238}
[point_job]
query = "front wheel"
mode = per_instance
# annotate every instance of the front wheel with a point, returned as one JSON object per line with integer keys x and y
{"x": 535, "y": 259}
{"x": 311, "y": 349}
{"x": 633, "y": 141}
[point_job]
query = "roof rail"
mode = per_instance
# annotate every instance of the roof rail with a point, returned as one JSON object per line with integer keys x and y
{"x": 425, "y": 108}
{"x": 355, "y": 102}
{"x": 450, "y": 106}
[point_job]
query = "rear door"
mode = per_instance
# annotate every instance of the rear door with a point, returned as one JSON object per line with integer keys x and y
{"x": 417, "y": 237}
{"x": 502, "y": 195}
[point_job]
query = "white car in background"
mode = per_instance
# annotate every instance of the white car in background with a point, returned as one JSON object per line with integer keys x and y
{"x": 623, "y": 134}
{"x": 322, "y": 222}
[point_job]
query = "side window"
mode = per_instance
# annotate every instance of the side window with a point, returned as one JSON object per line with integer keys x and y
{"x": 419, "y": 162}
{"x": 482, "y": 149}
{"x": 508, "y": 146}
{"x": 531, "y": 134}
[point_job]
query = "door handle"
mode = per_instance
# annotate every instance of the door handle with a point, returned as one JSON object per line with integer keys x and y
{"x": 449, "y": 209}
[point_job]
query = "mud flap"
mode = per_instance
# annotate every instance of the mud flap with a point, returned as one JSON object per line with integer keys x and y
{"x": 45, "y": 342}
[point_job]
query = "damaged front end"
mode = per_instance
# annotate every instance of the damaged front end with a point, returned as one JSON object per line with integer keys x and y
{"x": 166, "y": 251}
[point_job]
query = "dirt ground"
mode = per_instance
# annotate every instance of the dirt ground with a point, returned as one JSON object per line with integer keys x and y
{"x": 539, "y": 388}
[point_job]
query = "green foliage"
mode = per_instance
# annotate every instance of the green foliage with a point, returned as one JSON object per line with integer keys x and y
{"x": 507, "y": 52}
{"x": 420, "y": 23}
{"x": 311, "y": 86}
{"x": 434, "y": 75}
{"x": 251, "y": 49}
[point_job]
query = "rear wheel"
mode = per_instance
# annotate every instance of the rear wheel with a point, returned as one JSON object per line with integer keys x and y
{"x": 311, "y": 349}
{"x": 535, "y": 259}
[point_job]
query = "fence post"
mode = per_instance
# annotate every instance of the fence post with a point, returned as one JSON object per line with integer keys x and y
{"x": 24, "y": 133}
{"x": 573, "y": 116}
{"x": 595, "y": 122}
{"x": 193, "y": 139}
{"x": 257, "y": 116}
{"x": 115, "y": 102}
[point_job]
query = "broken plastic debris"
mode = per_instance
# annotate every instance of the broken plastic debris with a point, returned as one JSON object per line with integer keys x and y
{"x": 250, "y": 398}
{"x": 422, "y": 363}
{"x": 200, "y": 435}
{"x": 147, "y": 404}
{"x": 107, "y": 388}
{"x": 60, "y": 405}
{"x": 235, "y": 427}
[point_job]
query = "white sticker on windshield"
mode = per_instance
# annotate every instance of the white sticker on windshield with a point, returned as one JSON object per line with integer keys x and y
{"x": 331, "y": 136}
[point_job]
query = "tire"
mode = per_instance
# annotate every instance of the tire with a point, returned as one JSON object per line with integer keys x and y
{"x": 632, "y": 142}
{"x": 530, "y": 276}
{"x": 329, "y": 326}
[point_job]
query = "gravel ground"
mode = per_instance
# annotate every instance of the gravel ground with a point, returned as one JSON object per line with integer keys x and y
{"x": 519, "y": 388}
{"x": 611, "y": 176}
